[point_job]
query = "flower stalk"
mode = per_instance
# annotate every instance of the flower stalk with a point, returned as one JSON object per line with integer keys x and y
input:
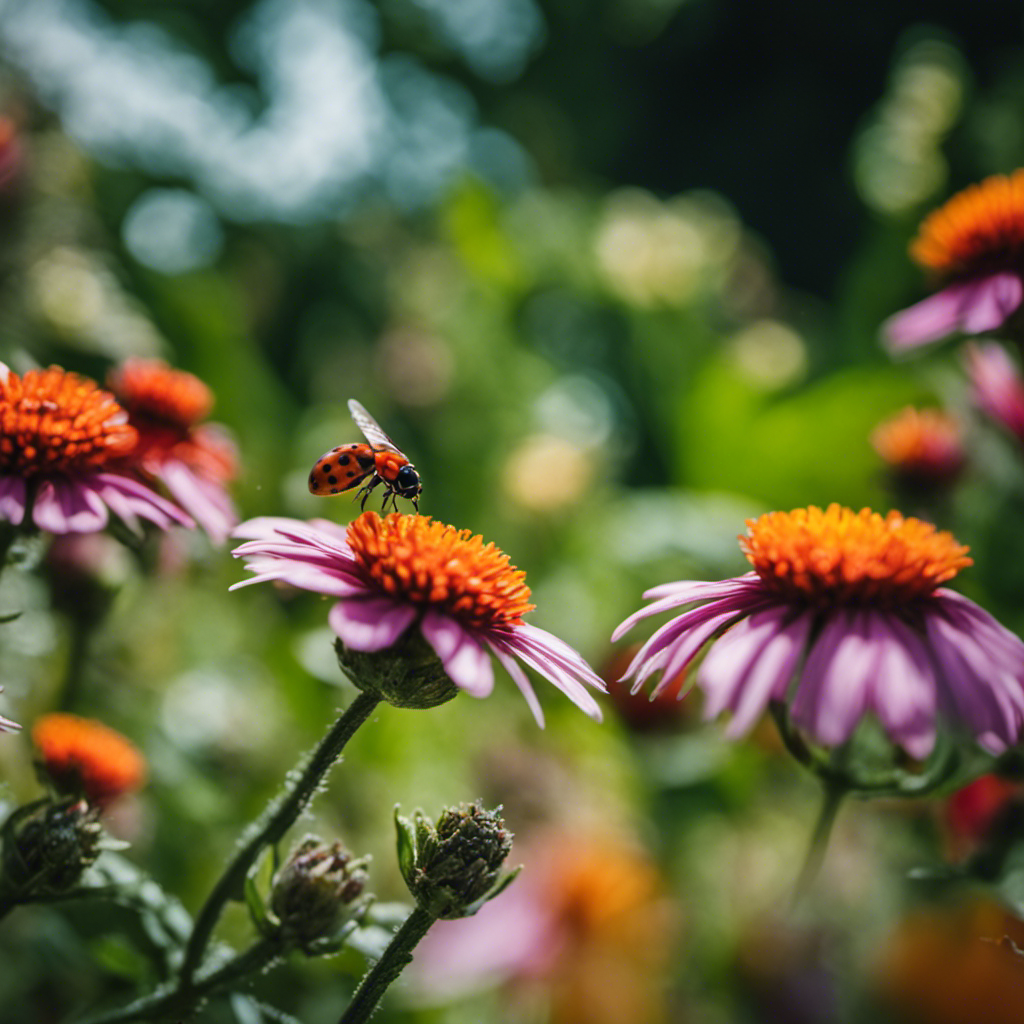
{"x": 279, "y": 816}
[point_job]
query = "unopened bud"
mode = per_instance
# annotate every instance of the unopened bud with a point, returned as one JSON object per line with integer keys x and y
{"x": 454, "y": 867}
{"x": 50, "y": 849}
{"x": 316, "y": 890}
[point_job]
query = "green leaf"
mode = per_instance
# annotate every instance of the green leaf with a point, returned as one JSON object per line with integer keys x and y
{"x": 406, "y": 836}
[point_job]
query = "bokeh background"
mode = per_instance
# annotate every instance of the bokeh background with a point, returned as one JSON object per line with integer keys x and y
{"x": 611, "y": 273}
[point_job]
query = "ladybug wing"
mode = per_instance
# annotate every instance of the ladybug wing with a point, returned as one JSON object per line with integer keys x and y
{"x": 341, "y": 468}
{"x": 371, "y": 428}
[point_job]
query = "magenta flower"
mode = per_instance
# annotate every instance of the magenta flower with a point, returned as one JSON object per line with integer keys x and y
{"x": 404, "y": 570}
{"x": 60, "y": 440}
{"x": 973, "y": 244}
{"x": 195, "y": 461}
{"x": 843, "y": 616}
{"x": 997, "y": 386}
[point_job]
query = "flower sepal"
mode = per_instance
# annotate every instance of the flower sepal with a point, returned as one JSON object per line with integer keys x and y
{"x": 408, "y": 674}
{"x": 454, "y": 867}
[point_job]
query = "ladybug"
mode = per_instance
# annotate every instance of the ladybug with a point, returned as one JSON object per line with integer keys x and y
{"x": 349, "y": 465}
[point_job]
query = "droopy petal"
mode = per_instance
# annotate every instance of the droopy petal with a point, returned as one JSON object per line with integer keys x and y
{"x": 65, "y": 506}
{"x": 370, "y": 624}
{"x": 519, "y": 677}
{"x": 12, "y": 499}
{"x": 467, "y": 664}
{"x": 973, "y": 306}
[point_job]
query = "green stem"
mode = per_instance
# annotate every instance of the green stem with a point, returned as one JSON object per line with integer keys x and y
{"x": 394, "y": 960}
{"x": 279, "y": 816}
{"x": 832, "y": 798}
{"x": 176, "y": 1004}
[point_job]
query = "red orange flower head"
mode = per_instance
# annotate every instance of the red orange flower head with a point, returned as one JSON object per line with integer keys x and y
{"x": 83, "y": 756}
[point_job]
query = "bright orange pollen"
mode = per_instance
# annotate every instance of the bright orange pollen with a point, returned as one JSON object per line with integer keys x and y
{"x": 151, "y": 389}
{"x": 980, "y": 230}
{"x": 53, "y": 422}
{"x": 428, "y": 563}
{"x": 844, "y": 557}
{"x": 81, "y": 755}
{"x": 923, "y": 443}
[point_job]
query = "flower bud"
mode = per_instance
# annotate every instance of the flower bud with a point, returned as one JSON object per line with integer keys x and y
{"x": 406, "y": 675}
{"x": 48, "y": 851}
{"x": 454, "y": 867}
{"x": 316, "y": 889}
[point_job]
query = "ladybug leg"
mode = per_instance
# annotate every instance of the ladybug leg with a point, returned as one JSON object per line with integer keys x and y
{"x": 365, "y": 491}
{"x": 416, "y": 504}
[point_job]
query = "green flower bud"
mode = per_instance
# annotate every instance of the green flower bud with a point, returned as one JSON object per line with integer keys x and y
{"x": 317, "y": 890}
{"x": 47, "y": 850}
{"x": 454, "y": 867}
{"x": 406, "y": 675}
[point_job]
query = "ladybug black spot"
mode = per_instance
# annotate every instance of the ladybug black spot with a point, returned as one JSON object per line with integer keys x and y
{"x": 335, "y": 490}
{"x": 332, "y": 479}
{"x": 342, "y": 460}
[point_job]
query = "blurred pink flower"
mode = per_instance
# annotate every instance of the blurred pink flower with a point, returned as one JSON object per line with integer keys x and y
{"x": 974, "y": 243}
{"x": 193, "y": 461}
{"x": 922, "y": 448}
{"x": 849, "y": 605}
{"x": 60, "y": 438}
{"x": 404, "y": 570}
{"x": 997, "y": 386}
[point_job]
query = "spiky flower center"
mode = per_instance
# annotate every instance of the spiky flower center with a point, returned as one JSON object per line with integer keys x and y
{"x": 920, "y": 442}
{"x": 152, "y": 390}
{"x": 53, "y": 422}
{"x": 82, "y": 755}
{"x": 415, "y": 559}
{"x": 840, "y": 556}
{"x": 980, "y": 230}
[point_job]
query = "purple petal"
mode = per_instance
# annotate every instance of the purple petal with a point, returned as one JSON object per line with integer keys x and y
{"x": 973, "y": 306}
{"x": 466, "y": 662}
{"x": 775, "y": 654}
{"x": 832, "y": 695}
{"x": 904, "y": 692}
{"x": 997, "y": 386}
{"x": 129, "y": 498}
{"x": 68, "y": 506}
{"x": 207, "y": 501}
{"x": 306, "y": 577}
{"x": 547, "y": 664}
{"x": 12, "y": 499}
{"x": 319, "y": 534}
{"x": 511, "y": 666}
{"x": 674, "y": 595}
{"x": 370, "y": 624}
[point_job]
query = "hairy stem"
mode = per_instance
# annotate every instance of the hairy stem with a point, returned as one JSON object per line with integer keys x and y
{"x": 275, "y": 821}
{"x": 394, "y": 960}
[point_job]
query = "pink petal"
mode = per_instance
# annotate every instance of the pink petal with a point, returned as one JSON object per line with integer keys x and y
{"x": 970, "y": 306}
{"x": 519, "y": 677}
{"x": 904, "y": 692}
{"x": 674, "y": 595}
{"x": 370, "y": 623}
{"x": 135, "y": 498}
{"x": 68, "y": 506}
{"x": 205, "y": 500}
{"x": 465, "y": 661}
{"x": 12, "y": 499}
{"x": 833, "y": 691}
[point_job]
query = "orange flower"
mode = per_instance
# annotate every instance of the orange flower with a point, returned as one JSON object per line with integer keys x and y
{"x": 922, "y": 448}
{"x": 81, "y": 755}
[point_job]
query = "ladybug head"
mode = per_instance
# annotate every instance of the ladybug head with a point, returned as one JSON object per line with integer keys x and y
{"x": 407, "y": 483}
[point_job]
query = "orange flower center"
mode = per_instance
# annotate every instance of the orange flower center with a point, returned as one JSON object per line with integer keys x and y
{"x": 980, "y": 230}
{"x": 920, "y": 442}
{"x": 416, "y": 559}
{"x": 55, "y": 422}
{"x": 81, "y": 755}
{"x": 844, "y": 557}
{"x": 151, "y": 390}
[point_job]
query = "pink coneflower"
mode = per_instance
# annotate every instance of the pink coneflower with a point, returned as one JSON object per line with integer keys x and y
{"x": 922, "y": 448}
{"x": 974, "y": 246}
{"x": 844, "y": 615}
{"x": 61, "y": 436}
{"x": 997, "y": 386}
{"x": 194, "y": 461}
{"x": 406, "y": 570}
